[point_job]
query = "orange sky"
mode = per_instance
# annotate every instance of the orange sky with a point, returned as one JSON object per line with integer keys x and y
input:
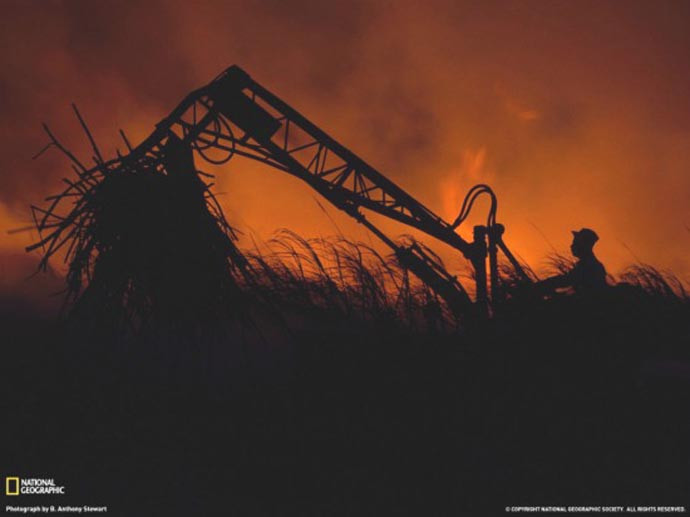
{"x": 577, "y": 113}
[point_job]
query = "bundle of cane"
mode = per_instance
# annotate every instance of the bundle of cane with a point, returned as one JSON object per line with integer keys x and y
{"x": 145, "y": 240}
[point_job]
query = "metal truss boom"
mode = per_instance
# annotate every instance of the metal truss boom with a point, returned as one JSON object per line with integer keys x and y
{"x": 234, "y": 115}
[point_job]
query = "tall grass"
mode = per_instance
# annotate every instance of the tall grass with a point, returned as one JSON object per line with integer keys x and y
{"x": 655, "y": 282}
{"x": 342, "y": 277}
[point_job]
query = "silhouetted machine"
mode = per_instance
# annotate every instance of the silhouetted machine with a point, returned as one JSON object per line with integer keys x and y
{"x": 233, "y": 114}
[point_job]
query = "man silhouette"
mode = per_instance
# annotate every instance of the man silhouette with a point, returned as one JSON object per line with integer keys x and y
{"x": 588, "y": 274}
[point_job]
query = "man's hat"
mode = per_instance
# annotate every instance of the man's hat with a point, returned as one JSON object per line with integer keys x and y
{"x": 585, "y": 236}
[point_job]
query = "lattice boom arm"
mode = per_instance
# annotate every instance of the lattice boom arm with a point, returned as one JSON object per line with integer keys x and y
{"x": 236, "y": 115}
{"x": 272, "y": 132}
{"x": 308, "y": 151}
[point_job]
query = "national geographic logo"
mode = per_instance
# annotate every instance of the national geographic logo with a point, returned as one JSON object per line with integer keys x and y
{"x": 32, "y": 486}
{"x": 11, "y": 486}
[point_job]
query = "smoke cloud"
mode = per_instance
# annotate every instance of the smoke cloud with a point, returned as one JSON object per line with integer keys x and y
{"x": 577, "y": 113}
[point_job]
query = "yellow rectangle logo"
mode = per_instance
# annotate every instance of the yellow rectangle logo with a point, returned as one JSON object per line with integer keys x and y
{"x": 11, "y": 486}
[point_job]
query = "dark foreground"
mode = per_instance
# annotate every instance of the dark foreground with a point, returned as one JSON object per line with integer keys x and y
{"x": 558, "y": 405}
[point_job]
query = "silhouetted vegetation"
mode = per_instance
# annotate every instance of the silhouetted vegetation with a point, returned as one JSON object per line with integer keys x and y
{"x": 382, "y": 403}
